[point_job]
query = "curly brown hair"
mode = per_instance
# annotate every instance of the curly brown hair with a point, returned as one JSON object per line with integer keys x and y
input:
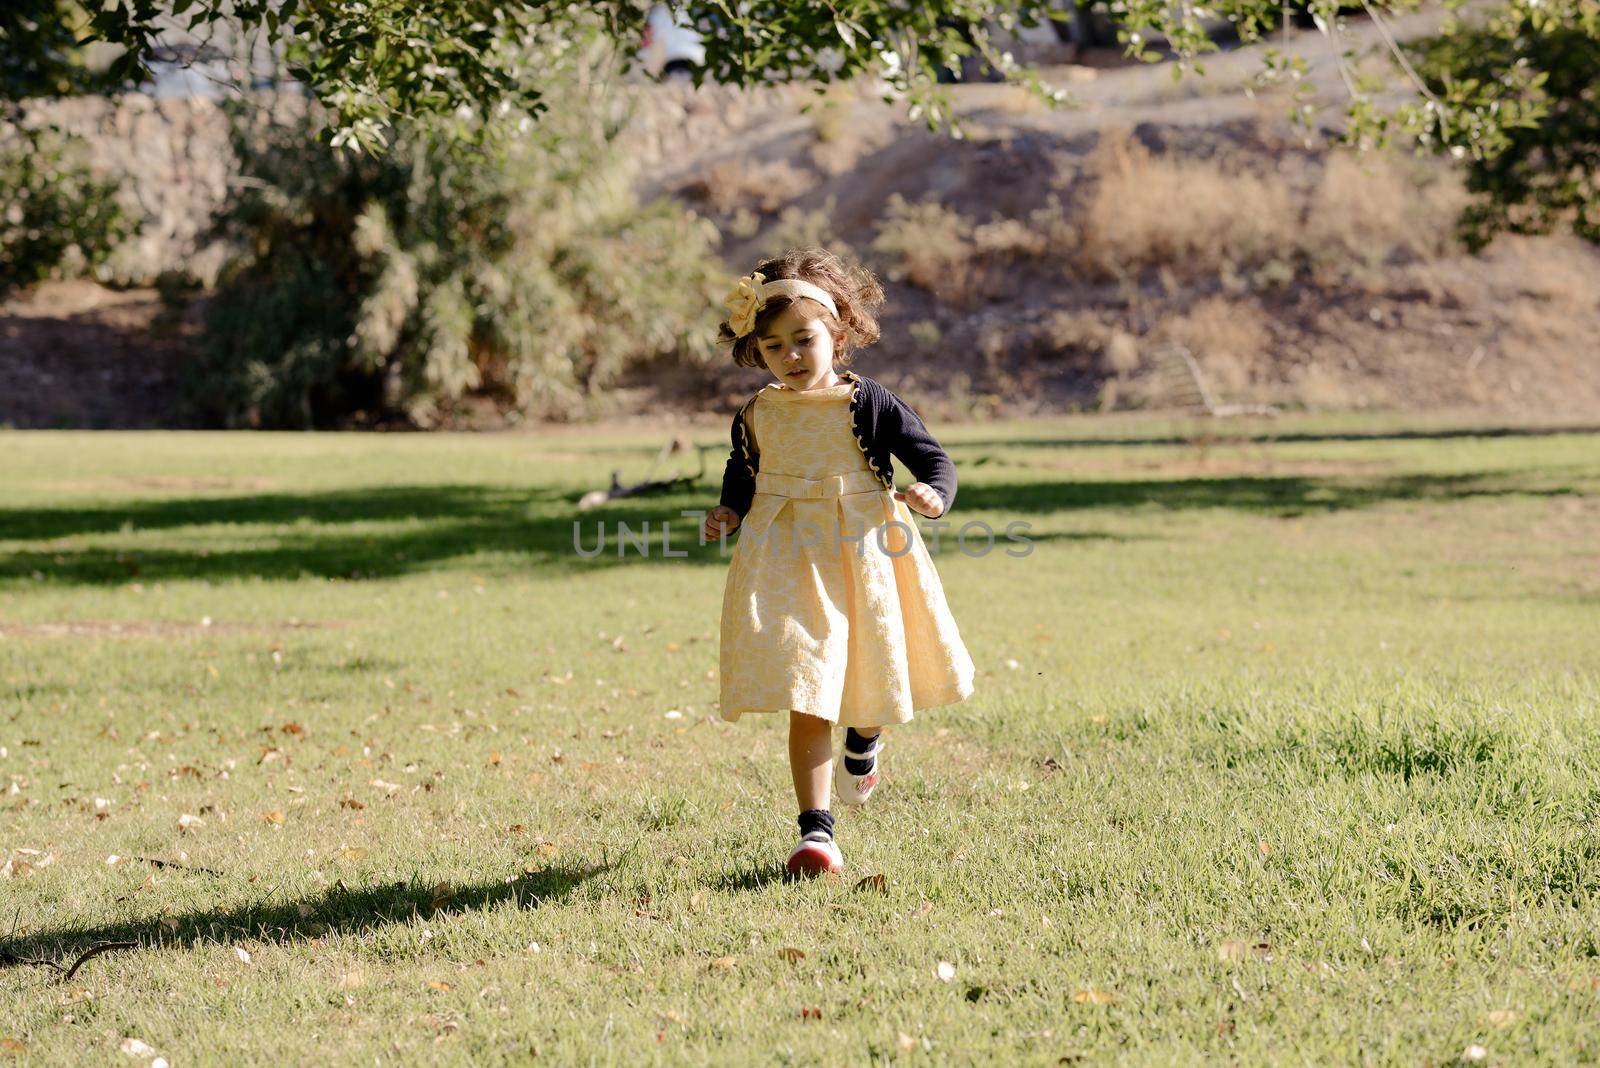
{"x": 855, "y": 289}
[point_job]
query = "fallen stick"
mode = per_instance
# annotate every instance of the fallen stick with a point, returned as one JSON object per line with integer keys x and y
{"x": 160, "y": 863}
{"x": 95, "y": 951}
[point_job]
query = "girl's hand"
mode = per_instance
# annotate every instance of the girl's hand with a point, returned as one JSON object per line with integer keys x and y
{"x": 720, "y": 520}
{"x": 924, "y": 498}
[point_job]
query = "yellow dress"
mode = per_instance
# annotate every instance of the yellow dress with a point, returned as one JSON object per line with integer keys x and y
{"x": 854, "y": 631}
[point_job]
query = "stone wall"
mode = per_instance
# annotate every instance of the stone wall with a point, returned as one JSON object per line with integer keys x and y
{"x": 173, "y": 157}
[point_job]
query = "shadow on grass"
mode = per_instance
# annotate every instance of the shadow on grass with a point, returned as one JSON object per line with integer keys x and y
{"x": 341, "y": 910}
{"x": 774, "y": 874}
{"x": 409, "y": 528}
{"x": 389, "y": 531}
{"x": 1222, "y": 435}
{"x": 1281, "y": 495}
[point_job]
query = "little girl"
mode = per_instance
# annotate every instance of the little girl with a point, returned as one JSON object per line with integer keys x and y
{"x": 833, "y": 611}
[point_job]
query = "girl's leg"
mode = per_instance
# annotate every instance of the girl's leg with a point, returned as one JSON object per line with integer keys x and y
{"x": 857, "y": 774}
{"x": 810, "y": 759}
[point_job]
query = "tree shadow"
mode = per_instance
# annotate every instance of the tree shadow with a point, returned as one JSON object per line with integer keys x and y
{"x": 340, "y": 910}
{"x": 756, "y": 878}
{"x": 1206, "y": 432}
{"x": 318, "y": 534}
{"x": 413, "y": 528}
{"x": 1286, "y": 495}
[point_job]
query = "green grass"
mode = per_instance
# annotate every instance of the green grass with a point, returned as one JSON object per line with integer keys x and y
{"x": 1283, "y": 750}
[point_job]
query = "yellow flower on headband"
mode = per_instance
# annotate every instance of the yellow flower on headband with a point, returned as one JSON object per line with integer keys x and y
{"x": 743, "y": 302}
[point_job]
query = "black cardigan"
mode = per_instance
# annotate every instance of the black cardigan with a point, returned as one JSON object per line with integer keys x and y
{"x": 882, "y": 423}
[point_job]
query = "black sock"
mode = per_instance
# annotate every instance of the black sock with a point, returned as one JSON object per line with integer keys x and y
{"x": 816, "y": 819}
{"x": 859, "y": 744}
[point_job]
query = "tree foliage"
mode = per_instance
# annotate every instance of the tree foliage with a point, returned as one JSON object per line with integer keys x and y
{"x": 1546, "y": 172}
{"x": 1512, "y": 93}
{"x": 58, "y": 214}
{"x": 55, "y": 214}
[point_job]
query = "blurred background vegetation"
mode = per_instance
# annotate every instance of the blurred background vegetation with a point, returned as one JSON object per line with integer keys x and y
{"x": 463, "y": 216}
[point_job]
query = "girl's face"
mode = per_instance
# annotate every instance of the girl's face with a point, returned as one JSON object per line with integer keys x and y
{"x": 798, "y": 350}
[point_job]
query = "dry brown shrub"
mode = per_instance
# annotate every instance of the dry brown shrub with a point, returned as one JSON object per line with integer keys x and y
{"x": 928, "y": 245}
{"x": 1081, "y": 330}
{"x": 736, "y": 183}
{"x": 1191, "y": 215}
{"x": 1056, "y": 235}
{"x": 1318, "y": 387}
{"x": 1006, "y": 239}
{"x": 1368, "y": 212}
{"x": 798, "y": 228}
{"x": 1228, "y": 337}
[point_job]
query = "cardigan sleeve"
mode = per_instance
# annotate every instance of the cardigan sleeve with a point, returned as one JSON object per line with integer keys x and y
{"x": 738, "y": 484}
{"x": 910, "y": 440}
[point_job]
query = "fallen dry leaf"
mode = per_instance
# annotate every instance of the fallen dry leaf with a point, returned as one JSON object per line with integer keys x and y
{"x": 134, "y": 1047}
{"x": 275, "y": 816}
{"x": 791, "y": 954}
{"x": 878, "y": 882}
{"x": 435, "y": 984}
{"x": 1233, "y": 950}
{"x": 1094, "y": 997}
{"x": 724, "y": 963}
{"x": 1504, "y": 1017}
{"x": 810, "y": 1014}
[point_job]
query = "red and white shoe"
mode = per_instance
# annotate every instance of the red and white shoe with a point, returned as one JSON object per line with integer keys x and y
{"x": 816, "y": 854}
{"x": 852, "y": 789}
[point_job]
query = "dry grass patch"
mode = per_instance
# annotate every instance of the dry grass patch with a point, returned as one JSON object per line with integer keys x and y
{"x": 737, "y": 183}
{"x": 1194, "y": 216}
{"x": 1369, "y": 212}
{"x": 1229, "y": 337}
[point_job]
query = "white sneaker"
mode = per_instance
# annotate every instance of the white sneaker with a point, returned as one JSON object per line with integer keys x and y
{"x": 816, "y": 854}
{"x": 855, "y": 789}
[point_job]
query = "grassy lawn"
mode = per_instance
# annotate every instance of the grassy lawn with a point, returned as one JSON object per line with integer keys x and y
{"x": 1283, "y": 749}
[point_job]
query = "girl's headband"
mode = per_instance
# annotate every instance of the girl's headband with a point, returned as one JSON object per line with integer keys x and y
{"x": 749, "y": 296}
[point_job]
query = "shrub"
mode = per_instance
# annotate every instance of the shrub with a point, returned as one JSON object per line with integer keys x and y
{"x": 1149, "y": 211}
{"x": 928, "y": 245}
{"x": 58, "y": 217}
{"x": 415, "y": 287}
